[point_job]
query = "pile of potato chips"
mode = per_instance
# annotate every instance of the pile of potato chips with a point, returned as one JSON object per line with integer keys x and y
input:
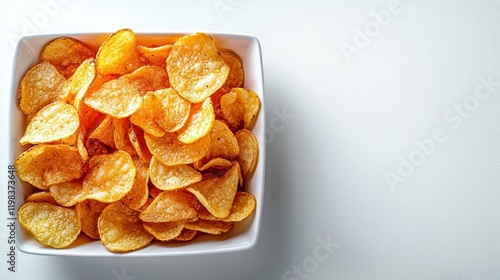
{"x": 131, "y": 143}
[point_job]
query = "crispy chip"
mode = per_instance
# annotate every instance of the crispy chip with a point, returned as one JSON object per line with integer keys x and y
{"x": 53, "y": 123}
{"x": 68, "y": 193}
{"x": 217, "y": 163}
{"x": 88, "y": 212}
{"x": 139, "y": 193}
{"x": 118, "y": 54}
{"x": 174, "y": 112}
{"x": 172, "y": 177}
{"x": 243, "y": 205}
{"x": 121, "y": 136}
{"x": 66, "y": 54}
{"x": 171, "y": 206}
{"x": 42, "y": 196}
{"x": 40, "y": 86}
{"x": 78, "y": 84}
{"x": 44, "y": 165}
{"x": 210, "y": 227}
{"x": 121, "y": 230}
{"x": 236, "y": 76}
{"x": 80, "y": 146}
{"x": 223, "y": 143}
{"x": 185, "y": 235}
{"x": 240, "y": 107}
{"x": 195, "y": 68}
{"x": 170, "y": 151}
{"x": 165, "y": 231}
{"x": 147, "y": 78}
{"x": 145, "y": 116}
{"x": 155, "y": 55}
{"x": 136, "y": 137}
{"x": 105, "y": 132}
{"x": 199, "y": 123}
{"x": 51, "y": 225}
{"x": 217, "y": 194}
{"x": 249, "y": 151}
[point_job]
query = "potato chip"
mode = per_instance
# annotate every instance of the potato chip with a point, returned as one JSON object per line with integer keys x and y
{"x": 95, "y": 147}
{"x": 217, "y": 163}
{"x": 165, "y": 231}
{"x": 80, "y": 146}
{"x": 66, "y": 54}
{"x": 236, "y": 76}
{"x": 249, "y": 151}
{"x": 199, "y": 123}
{"x": 239, "y": 108}
{"x": 155, "y": 55}
{"x": 243, "y": 205}
{"x": 40, "y": 86}
{"x": 210, "y": 227}
{"x": 171, "y": 206}
{"x": 139, "y": 193}
{"x": 68, "y": 193}
{"x": 116, "y": 98}
{"x": 42, "y": 196}
{"x": 44, "y": 165}
{"x": 223, "y": 142}
{"x": 79, "y": 82}
{"x": 118, "y": 54}
{"x": 121, "y": 136}
{"x": 217, "y": 194}
{"x": 172, "y": 177}
{"x": 147, "y": 78}
{"x": 136, "y": 137}
{"x": 90, "y": 119}
{"x": 185, "y": 235}
{"x": 53, "y": 123}
{"x": 175, "y": 110}
{"x": 105, "y": 132}
{"x": 195, "y": 68}
{"x": 145, "y": 116}
{"x": 216, "y": 102}
{"x": 121, "y": 230}
{"x": 170, "y": 151}
{"x": 51, "y": 225}
{"x": 88, "y": 212}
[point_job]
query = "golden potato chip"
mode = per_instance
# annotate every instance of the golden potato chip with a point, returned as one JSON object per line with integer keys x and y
{"x": 80, "y": 146}
{"x": 170, "y": 151}
{"x": 136, "y": 137}
{"x": 195, "y": 67}
{"x": 147, "y": 78}
{"x": 51, "y": 225}
{"x": 40, "y": 86}
{"x": 68, "y": 193}
{"x": 116, "y": 98}
{"x": 171, "y": 206}
{"x": 139, "y": 193}
{"x": 42, "y": 196}
{"x": 145, "y": 116}
{"x": 121, "y": 230}
{"x": 90, "y": 119}
{"x": 66, "y": 54}
{"x": 174, "y": 112}
{"x": 155, "y": 55}
{"x": 121, "y": 136}
{"x": 249, "y": 151}
{"x": 199, "y": 123}
{"x": 223, "y": 142}
{"x": 236, "y": 76}
{"x": 165, "y": 231}
{"x": 240, "y": 107}
{"x": 52, "y": 123}
{"x": 105, "y": 132}
{"x": 118, "y": 54}
{"x": 44, "y": 165}
{"x": 217, "y": 163}
{"x": 210, "y": 227}
{"x": 216, "y": 102}
{"x": 78, "y": 84}
{"x": 88, "y": 212}
{"x": 217, "y": 194}
{"x": 243, "y": 205}
{"x": 185, "y": 235}
{"x": 174, "y": 177}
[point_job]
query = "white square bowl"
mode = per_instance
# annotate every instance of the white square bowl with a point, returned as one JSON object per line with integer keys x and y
{"x": 243, "y": 236}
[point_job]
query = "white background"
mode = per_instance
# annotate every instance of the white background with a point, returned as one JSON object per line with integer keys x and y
{"x": 337, "y": 123}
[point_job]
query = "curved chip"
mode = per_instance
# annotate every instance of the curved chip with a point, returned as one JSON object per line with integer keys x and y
{"x": 170, "y": 151}
{"x": 44, "y": 165}
{"x": 210, "y": 227}
{"x": 171, "y": 206}
{"x": 186, "y": 235}
{"x": 145, "y": 116}
{"x": 199, "y": 123}
{"x": 165, "y": 231}
{"x": 249, "y": 151}
{"x": 121, "y": 136}
{"x": 243, "y": 206}
{"x": 239, "y": 108}
{"x": 121, "y": 230}
{"x": 236, "y": 76}
{"x": 40, "y": 86}
{"x": 155, "y": 55}
{"x": 167, "y": 178}
{"x": 223, "y": 143}
{"x": 42, "y": 196}
{"x": 216, "y": 163}
{"x": 174, "y": 112}
{"x": 118, "y": 54}
{"x": 139, "y": 193}
{"x": 78, "y": 84}
{"x": 51, "y": 225}
{"x": 147, "y": 78}
{"x": 53, "y": 123}
{"x": 195, "y": 67}
{"x": 88, "y": 212}
{"x": 136, "y": 137}
{"x": 105, "y": 132}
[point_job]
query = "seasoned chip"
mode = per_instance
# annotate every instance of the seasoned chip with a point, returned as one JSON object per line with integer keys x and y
{"x": 121, "y": 136}
{"x": 217, "y": 163}
{"x": 171, "y": 206}
{"x": 249, "y": 151}
{"x": 240, "y": 107}
{"x": 40, "y": 86}
{"x": 136, "y": 137}
{"x": 139, "y": 193}
{"x": 53, "y": 123}
{"x": 51, "y": 225}
{"x": 172, "y": 177}
{"x": 165, "y": 231}
{"x": 155, "y": 55}
{"x": 223, "y": 143}
{"x": 44, "y": 165}
{"x": 217, "y": 194}
{"x": 210, "y": 227}
{"x": 147, "y": 78}
{"x": 104, "y": 132}
{"x": 42, "y": 196}
{"x": 243, "y": 205}
{"x": 118, "y": 54}
{"x": 170, "y": 151}
{"x": 116, "y": 98}
{"x": 145, "y": 116}
{"x": 185, "y": 235}
{"x": 68, "y": 193}
{"x": 88, "y": 212}
{"x": 121, "y": 230}
{"x": 174, "y": 110}
{"x": 236, "y": 76}
{"x": 78, "y": 84}
{"x": 195, "y": 68}
{"x": 80, "y": 146}
{"x": 199, "y": 123}
{"x": 66, "y": 54}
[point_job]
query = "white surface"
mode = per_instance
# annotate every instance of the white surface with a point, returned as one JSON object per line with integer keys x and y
{"x": 335, "y": 126}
